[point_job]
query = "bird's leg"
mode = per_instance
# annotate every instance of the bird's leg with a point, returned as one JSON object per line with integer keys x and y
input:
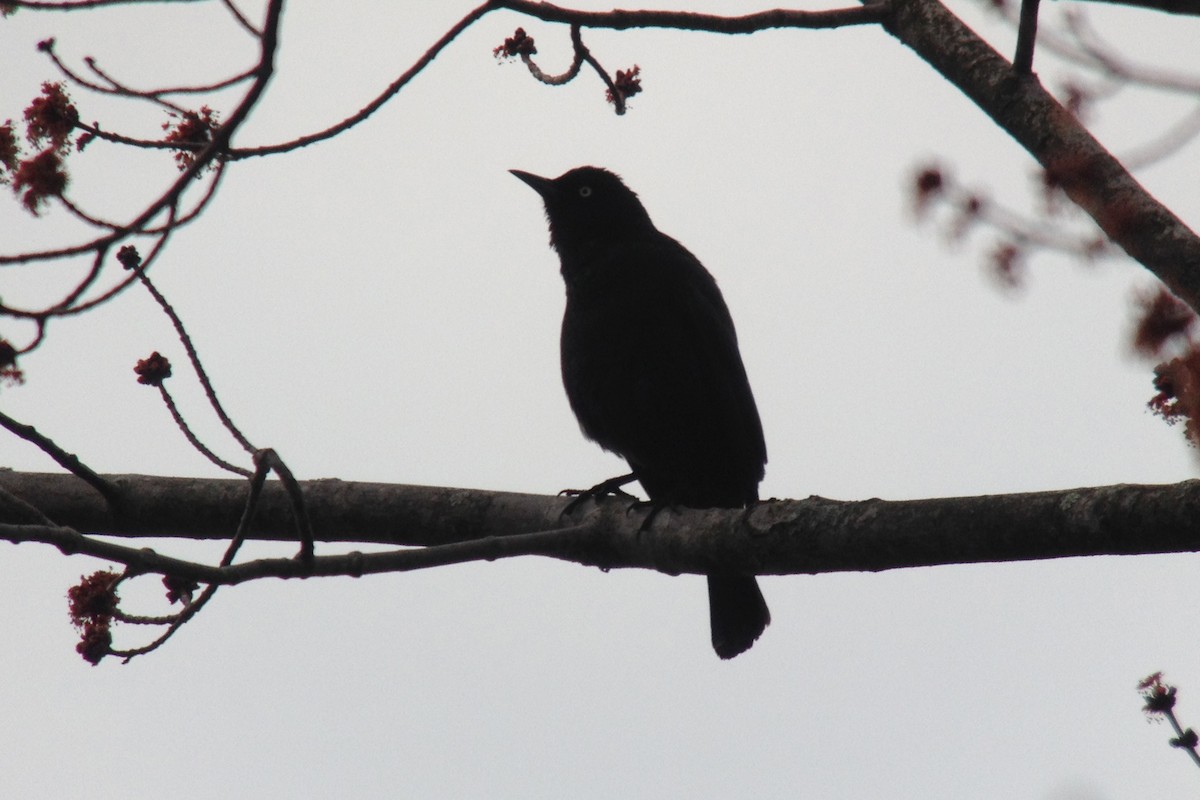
{"x": 612, "y": 486}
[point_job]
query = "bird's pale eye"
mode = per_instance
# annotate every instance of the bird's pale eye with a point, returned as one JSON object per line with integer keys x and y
{"x": 585, "y": 191}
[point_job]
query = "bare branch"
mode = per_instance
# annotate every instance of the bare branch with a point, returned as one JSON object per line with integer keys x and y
{"x": 193, "y": 439}
{"x": 194, "y": 357}
{"x": 378, "y": 102}
{"x": 565, "y": 77}
{"x": 1104, "y": 56}
{"x": 1091, "y": 53}
{"x": 240, "y": 18}
{"x": 214, "y": 150}
{"x": 355, "y": 564}
{"x": 581, "y": 51}
{"x": 1169, "y": 142}
{"x": 1078, "y": 164}
{"x": 1026, "y": 37}
{"x": 68, "y": 461}
{"x": 1190, "y": 7}
{"x": 776, "y": 537}
{"x": 871, "y": 13}
{"x": 75, "y": 5}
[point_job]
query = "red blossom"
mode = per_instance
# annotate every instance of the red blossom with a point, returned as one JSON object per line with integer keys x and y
{"x": 194, "y": 130}
{"x": 1150, "y": 680}
{"x": 927, "y": 186}
{"x": 93, "y": 599}
{"x": 154, "y": 370}
{"x": 1162, "y": 318}
{"x": 10, "y": 373}
{"x": 8, "y": 353}
{"x": 627, "y": 82}
{"x": 519, "y": 44}
{"x": 1008, "y": 264}
{"x": 42, "y": 177}
{"x": 95, "y": 642}
{"x": 129, "y": 257}
{"x": 10, "y": 150}
{"x": 1159, "y": 697}
{"x": 968, "y": 213}
{"x": 1178, "y": 398}
{"x": 51, "y": 117}
{"x": 179, "y": 590}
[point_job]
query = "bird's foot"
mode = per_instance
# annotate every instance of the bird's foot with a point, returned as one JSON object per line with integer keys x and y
{"x": 610, "y": 487}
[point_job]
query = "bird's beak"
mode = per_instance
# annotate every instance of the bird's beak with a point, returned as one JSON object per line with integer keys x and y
{"x": 543, "y": 186}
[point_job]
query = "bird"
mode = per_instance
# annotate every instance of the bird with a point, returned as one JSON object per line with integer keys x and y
{"x": 652, "y": 370}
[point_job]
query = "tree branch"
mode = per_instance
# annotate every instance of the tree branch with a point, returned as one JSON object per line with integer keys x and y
{"x": 1026, "y": 37}
{"x": 453, "y": 525}
{"x": 618, "y": 19}
{"x": 1191, "y": 7}
{"x": 68, "y": 461}
{"x": 1074, "y": 161}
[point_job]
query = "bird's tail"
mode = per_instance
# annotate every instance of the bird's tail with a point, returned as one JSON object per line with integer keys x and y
{"x": 737, "y": 611}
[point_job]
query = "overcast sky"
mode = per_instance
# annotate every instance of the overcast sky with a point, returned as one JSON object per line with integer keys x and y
{"x": 385, "y": 307}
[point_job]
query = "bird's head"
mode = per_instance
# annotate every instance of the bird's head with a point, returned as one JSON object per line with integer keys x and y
{"x": 588, "y": 204}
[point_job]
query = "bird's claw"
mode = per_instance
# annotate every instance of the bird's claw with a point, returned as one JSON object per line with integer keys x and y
{"x": 608, "y": 488}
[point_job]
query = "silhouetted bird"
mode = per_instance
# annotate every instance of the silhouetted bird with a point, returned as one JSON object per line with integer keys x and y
{"x": 652, "y": 370}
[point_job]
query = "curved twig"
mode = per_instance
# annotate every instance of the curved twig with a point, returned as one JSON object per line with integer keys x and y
{"x": 618, "y": 96}
{"x": 209, "y": 391}
{"x": 194, "y": 440}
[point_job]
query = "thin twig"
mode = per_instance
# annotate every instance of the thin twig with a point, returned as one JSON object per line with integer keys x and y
{"x": 304, "y": 530}
{"x": 870, "y": 14}
{"x": 33, "y": 511}
{"x": 214, "y": 150}
{"x": 115, "y": 87}
{"x": 194, "y": 440}
{"x": 83, "y": 216}
{"x": 241, "y": 18}
{"x": 193, "y": 356}
{"x": 1168, "y": 143}
{"x": 378, "y": 102}
{"x": 177, "y": 621}
{"x": 86, "y": 283}
{"x": 1026, "y": 38}
{"x": 557, "y": 80}
{"x": 75, "y": 5}
{"x": 558, "y": 542}
{"x": 582, "y": 51}
{"x": 257, "y": 479}
{"x": 68, "y": 461}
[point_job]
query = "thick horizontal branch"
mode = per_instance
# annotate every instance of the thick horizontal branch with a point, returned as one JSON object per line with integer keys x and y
{"x": 775, "y": 537}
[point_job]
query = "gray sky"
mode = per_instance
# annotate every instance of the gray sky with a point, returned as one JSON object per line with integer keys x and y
{"x": 385, "y": 307}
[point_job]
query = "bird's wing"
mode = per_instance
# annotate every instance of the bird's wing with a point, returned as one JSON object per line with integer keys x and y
{"x": 672, "y": 395}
